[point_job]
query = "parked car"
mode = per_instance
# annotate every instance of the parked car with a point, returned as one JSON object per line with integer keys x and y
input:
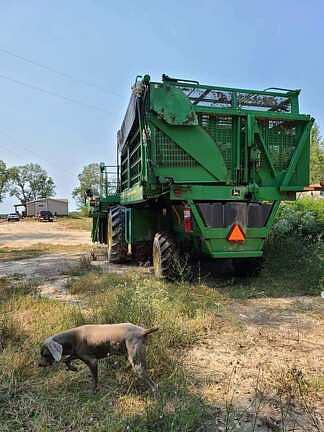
{"x": 13, "y": 217}
{"x": 45, "y": 216}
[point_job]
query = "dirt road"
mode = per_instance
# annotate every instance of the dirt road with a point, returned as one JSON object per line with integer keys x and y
{"x": 46, "y": 266}
{"x": 24, "y": 234}
{"x": 28, "y": 243}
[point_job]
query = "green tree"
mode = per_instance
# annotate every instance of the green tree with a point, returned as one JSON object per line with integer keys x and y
{"x": 89, "y": 178}
{"x": 30, "y": 182}
{"x": 4, "y": 177}
{"x": 316, "y": 155}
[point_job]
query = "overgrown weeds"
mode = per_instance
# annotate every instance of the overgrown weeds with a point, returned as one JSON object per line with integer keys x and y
{"x": 75, "y": 221}
{"x": 174, "y": 308}
{"x": 53, "y": 399}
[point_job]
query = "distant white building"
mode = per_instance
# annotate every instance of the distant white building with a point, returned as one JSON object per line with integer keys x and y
{"x": 59, "y": 207}
{"x": 314, "y": 190}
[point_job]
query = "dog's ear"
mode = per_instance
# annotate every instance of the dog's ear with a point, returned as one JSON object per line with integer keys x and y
{"x": 55, "y": 349}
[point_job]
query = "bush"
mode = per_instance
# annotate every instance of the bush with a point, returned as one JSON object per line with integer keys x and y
{"x": 294, "y": 248}
{"x": 302, "y": 219}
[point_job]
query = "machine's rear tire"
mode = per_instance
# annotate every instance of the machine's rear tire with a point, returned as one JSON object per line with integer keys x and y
{"x": 247, "y": 266}
{"x": 117, "y": 250}
{"x": 164, "y": 251}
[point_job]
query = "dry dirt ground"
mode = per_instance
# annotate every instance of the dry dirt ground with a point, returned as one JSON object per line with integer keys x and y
{"x": 27, "y": 233}
{"x": 51, "y": 268}
{"x": 254, "y": 347}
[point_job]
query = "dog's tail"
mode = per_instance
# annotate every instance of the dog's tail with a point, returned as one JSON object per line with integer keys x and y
{"x": 149, "y": 331}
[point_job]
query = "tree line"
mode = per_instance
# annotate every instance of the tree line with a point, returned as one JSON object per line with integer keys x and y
{"x": 316, "y": 156}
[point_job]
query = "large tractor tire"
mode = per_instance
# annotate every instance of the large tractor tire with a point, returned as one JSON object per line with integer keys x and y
{"x": 117, "y": 249}
{"x": 164, "y": 254}
{"x": 247, "y": 266}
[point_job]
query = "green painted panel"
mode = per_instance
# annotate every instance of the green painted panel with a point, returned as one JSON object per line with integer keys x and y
{"x": 143, "y": 224}
{"x": 210, "y": 193}
{"x": 184, "y": 175}
{"x": 134, "y": 194}
{"x": 171, "y": 105}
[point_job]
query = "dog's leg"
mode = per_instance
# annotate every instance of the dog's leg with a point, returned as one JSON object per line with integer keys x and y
{"x": 136, "y": 357}
{"x": 92, "y": 364}
{"x": 68, "y": 364}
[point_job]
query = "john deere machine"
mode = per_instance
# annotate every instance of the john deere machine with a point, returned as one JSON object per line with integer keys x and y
{"x": 201, "y": 170}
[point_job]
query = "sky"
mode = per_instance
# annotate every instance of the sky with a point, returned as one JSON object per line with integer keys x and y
{"x": 97, "y": 47}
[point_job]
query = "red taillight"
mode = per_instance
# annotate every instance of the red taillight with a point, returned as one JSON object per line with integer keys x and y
{"x": 236, "y": 234}
{"x": 93, "y": 202}
{"x": 187, "y": 219}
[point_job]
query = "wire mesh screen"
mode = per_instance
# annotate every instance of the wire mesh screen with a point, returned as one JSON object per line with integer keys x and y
{"x": 169, "y": 154}
{"x": 264, "y": 102}
{"x": 281, "y": 139}
{"x": 207, "y": 97}
{"x": 221, "y": 130}
{"x": 217, "y": 98}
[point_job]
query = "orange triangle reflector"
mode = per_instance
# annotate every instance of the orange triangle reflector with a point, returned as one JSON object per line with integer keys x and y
{"x": 236, "y": 234}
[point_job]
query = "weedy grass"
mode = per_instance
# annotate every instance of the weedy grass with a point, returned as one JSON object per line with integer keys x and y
{"x": 183, "y": 312}
{"x": 75, "y": 221}
{"x": 36, "y": 399}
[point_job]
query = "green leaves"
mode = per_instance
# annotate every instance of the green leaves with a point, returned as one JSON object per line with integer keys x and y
{"x": 317, "y": 155}
{"x": 89, "y": 178}
{"x": 299, "y": 220}
{"x": 29, "y": 182}
{"x": 4, "y": 177}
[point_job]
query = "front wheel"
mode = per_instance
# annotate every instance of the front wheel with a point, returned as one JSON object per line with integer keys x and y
{"x": 117, "y": 250}
{"x": 164, "y": 252}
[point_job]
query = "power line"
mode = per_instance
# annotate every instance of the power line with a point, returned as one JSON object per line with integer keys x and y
{"x": 56, "y": 71}
{"x": 54, "y": 94}
{"x": 53, "y": 164}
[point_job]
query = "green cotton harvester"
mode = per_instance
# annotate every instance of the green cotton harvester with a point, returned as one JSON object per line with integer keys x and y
{"x": 201, "y": 171}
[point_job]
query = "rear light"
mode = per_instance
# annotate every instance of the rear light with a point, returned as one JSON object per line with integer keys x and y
{"x": 187, "y": 219}
{"x": 236, "y": 234}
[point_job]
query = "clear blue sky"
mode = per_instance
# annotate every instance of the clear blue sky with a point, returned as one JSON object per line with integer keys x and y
{"x": 247, "y": 43}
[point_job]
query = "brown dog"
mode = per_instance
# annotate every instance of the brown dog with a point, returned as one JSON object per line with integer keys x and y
{"x": 92, "y": 342}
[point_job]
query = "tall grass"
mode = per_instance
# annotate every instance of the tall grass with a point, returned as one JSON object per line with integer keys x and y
{"x": 53, "y": 399}
{"x": 147, "y": 302}
{"x": 295, "y": 246}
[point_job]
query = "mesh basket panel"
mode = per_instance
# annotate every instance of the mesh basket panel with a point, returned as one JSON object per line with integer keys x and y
{"x": 281, "y": 140}
{"x": 169, "y": 154}
{"x": 221, "y": 130}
